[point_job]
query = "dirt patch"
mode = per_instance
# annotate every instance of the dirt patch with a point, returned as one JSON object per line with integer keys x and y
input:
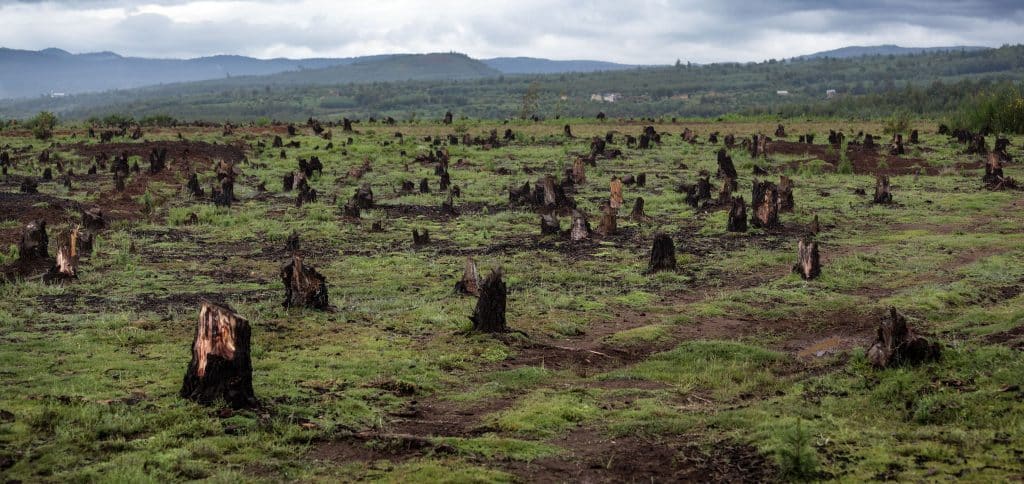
{"x": 24, "y": 208}
{"x": 1013, "y": 338}
{"x": 597, "y": 458}
{"x": 864, "y": 161}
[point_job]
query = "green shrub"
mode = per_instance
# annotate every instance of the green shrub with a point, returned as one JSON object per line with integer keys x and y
{"x": 797, "y": 459}
{"x": 898, "y": 122}
{"x": 42, "y": 125}
{"x": 1000, "y": 110}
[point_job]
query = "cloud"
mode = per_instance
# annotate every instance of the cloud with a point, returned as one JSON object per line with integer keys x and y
{"x": 644, "y": 32}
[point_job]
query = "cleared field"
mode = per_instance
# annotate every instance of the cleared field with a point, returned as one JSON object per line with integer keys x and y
{"x": 730, "y": 367}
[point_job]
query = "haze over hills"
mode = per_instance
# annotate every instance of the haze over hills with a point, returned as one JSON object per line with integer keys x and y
{"x": 859, "y": 51}
{"x": 26, "y": 73}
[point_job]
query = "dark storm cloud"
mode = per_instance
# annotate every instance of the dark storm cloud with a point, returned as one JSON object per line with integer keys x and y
{"x": 647, "y": 31}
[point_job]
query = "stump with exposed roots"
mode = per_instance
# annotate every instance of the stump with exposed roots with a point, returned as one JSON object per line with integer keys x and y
{"x": 896, "y": 344}
{"x": 663, "y": 254}
{"x": 489, "y": 314}
{"x": 304, "y": 287}
{"x": 470, "y": 282}
{"x": 221, "y": 365}
{"x": 808, "y": 262}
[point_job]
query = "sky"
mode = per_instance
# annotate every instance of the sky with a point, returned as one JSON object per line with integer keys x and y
{"x": 633, "y": 32}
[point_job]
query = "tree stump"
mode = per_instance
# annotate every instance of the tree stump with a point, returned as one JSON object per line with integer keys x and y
{"x": 882, "y": 190}
{"x": 638, "y": 214}
{"x": 447, "y": 118}
{"x": 489, "y": 314}
{"x": 304, "y": 287}
{"x": 759, "y": 146}
{"x": 808, "y": 263}
{"x": 351, "y": 209}
{"x": 424, "y": 186}
{"x": 34, "y": 242}
{"x": 913, "y": 137}
{"x": 549, "y": 224}
{"x": 364, "y": 196}
{"x": 568, "y": 131}
{"x": 644, "y": 143}
{"x": 580, "y": 227}
{"x": 92, "y": 219}
{"x": 66, "y": 267}
{"x": 729, "y": 140}
{"x": 293, "y": 243}
{"x": 221, "y": 366}
{"x": 157, "y": 160}
{"x": 470, "y": 282}
{"x": 896, "y": 344}
{"x": 786, "y": 203}
{"x": 725, "y": 166}
{"x": 608, "y": 224}
{"x": 896, "y": 147}
{"x": 307, "y": 194}
{"x": 737, "y": 215}
{"x": 780, "y": 132}
{"x": 278, "y": 142}
{"x": 193, "y": 186}
{"x": 579, "y": 172}
{"x": 663, "y": 254}
{"x": 815, "y": 227}
{"x": 420, "y": 239}
{"x": 448, "y": 206}
{"x": 615, "y": 187}
{"x": 765, "y": 205}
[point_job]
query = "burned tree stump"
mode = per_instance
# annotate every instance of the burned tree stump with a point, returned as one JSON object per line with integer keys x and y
{"x": 549, "y": 195}
{"x": 448, "y": 206}
{"x": 549, "y": 224}
{"x": 470, "y": 282}
{"x": 489, "y": 314}
{"x": 786, "y": 203}
{"x": 351, "y": 209}
{"x": 638, "y": 214}
{"x": 364, "y": 196}
{"x": 815, "y": 227}
{"x": 780, "y": 131}
{"x": 609, "y": 223}
{"x": 304, "y": 287}
{"x": 424, "y": 186}
{"x": 346, "y": 125}
{"x": 92, "y": 219}
{"x": 579, "y": 171}
{"x": 420, "y": 239}
{"x": 737, "y": 215}
{"x": 663, "y": 254}
{"x": 221, "y": 366}
{"x": 896, "y": 147}
{"x": 615, "y": 198}
{"x": 28, "y": 185}
{"x": 307, "y": 194}
{"x": 765, "y": 205}
{"x": 759, "y": 146}
{"x": 568, "y": 131}
{"x": 896, "y": 344}
{"x": 580, "y": 227}
{"x": 34, "y": 243}
{"x": 66, "y": 267}
{"x": 725, "y": 166}
{"x": 447, "y": 118}
{"x": 808, "y": 263}
{"x": 157, "y": 160}
{"x": 293, "y": 243}
{"x": 913, "y": 137}
{"x": 882, "y": 189}
{"x": 193, "y": 186}
{"x": 278, "y": 142}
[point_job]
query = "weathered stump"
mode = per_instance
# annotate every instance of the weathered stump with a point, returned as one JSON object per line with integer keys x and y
{"x": 765, "y": 205}
{"x": 92, "y": 219}
{"x": 193, "y": 186}
{"x": 568, "y": 131}
{"x": 447, "y": 118}
{"x": 470, "y": 282}
{"x": 364, "y": 196}
{"x": 638, "y": 214}
{"x": 896, "y": 344}
{"x": 221, "y": 366}
{"x": 304, "y": 287}
{"x": 489, "y": 314}
{"x": 780, "y": 131}
{"x": 579, "y": 171}
{"x": 609, "y": 223}
{"x": 882, "y": 189}
{"x": 66, "y": 266}
{"x": 815, "y": 227}
{"x": 737, "y": 215}
{"x": 913, "y": 137}
{"x": 663, "y": 254}
{"x": 580, "y": 227}
{"x": 896, "y": 147}
{"x": 808, "y": 263}
{"x": 786, "y": 203}
{"x": 424, "y": 186}
{"x": 615, "y": 187}
{"x": 307, "y": 194}
{"x": 34, "y": 243}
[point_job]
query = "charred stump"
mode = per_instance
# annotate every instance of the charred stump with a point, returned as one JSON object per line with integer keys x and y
{"x": 304, "y": 287}
{"x": 765, "y": 205}
{"x": 447, "y": 118}
{"x": 808, "y": 263}
{"x": 882, "y": 189}
{"x": 896, "y": 147}
{"x": 725, "y": 166}
{"x": 66, "y": 266}
{"x": 549, "y": 224}
{"x": 307, "y": 194}
{"x": 609, "y": 222}
{"x": 737, "y": 215}
{"x": 470, "y": 282}
{"x": 420, "y": 239}
{"x": 663, "y": 254}
{"x": 579, "y": 172}
{"x": 221, "y": 366}
{"x": 913, "y": 137}
{"x": 638, "y": 214}
{"x": 786, "y": 203}
{"x": 424, "y": 186}
{"x": 815, "y": 227}
{"x": 92, "y": 219}
{"x": 568, "y": 131}
{"x": 489, "y": 314}
{"x": 896, "y": 344}
{"x": 34, "y": 243}
{"x": 780, "y": 131}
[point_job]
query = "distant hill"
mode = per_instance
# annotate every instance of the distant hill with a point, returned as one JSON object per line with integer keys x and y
{"x": 533, "y": 65}
{"x": 399, "y": 67}
{"x": 871, "y": 50}
{"x": 25, "y": 73}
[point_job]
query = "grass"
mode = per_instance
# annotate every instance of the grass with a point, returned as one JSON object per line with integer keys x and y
{"x": 92, "y": 369}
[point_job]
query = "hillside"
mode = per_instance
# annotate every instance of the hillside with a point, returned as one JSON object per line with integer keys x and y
{"x": 533, "y": 65}
{"x": 865, "y": 86}
{"x": 859, "y": 51}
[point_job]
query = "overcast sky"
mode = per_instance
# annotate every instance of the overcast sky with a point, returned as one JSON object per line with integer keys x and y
{"x": 638, "y": 32}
